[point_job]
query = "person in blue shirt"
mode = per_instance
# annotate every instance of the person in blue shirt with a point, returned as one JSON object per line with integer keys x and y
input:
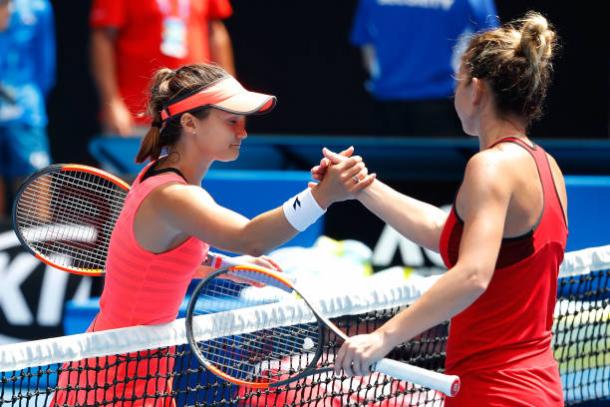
{"x": 27, "y": 73}
{"x": 411, "y": 52}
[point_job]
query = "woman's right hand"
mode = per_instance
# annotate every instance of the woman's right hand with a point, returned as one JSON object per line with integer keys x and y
{"x": 358, "y": 353}
{"x": 341, "y": 178}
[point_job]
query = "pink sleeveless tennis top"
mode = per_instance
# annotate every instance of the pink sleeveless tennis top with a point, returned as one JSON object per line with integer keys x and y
{"x": 141, "y": 287}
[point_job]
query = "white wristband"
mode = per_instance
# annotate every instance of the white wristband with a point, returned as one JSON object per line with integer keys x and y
{"x": 302, "y": 210}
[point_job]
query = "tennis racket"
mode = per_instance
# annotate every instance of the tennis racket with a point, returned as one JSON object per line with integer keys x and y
{"x": 239, "y": 333}
{"x": 64, "y": 215}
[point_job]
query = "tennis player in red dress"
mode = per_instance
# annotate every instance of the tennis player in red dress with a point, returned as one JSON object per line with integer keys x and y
{"x": 168, "y": 222}
{"x": 503, "y": 240}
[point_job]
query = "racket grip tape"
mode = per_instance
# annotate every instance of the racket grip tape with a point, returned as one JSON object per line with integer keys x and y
{"x": 447, "y": 384}
{"x": 218, "y": 261}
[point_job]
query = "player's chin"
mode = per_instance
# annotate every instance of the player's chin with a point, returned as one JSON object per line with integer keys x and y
{"x": 231, "y": 155}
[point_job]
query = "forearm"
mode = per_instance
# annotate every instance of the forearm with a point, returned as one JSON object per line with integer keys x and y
{"x": 103, "y": 65}
{"x": 190, "y": 210}
{"x": 450, "y": 295}
{"x": 414, "y": 219}
{"x": 220, "y": 46}
{"x": 275, "y": 227}
{"x": 265, "y": 232}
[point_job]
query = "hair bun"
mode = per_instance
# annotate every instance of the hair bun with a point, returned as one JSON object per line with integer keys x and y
{"x": 537, "y": 38}
{"x": 535, "y": 23}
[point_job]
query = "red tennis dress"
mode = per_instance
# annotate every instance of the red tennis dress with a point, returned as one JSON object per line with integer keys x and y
{"x": 500, "y": 345}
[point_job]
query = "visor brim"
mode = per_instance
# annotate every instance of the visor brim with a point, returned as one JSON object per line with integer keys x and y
{"x": 248, "y": 103}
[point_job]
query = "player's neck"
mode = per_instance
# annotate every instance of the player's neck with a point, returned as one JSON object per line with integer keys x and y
{"x": 494, "y": 130}
{"x": 193, "y": 169}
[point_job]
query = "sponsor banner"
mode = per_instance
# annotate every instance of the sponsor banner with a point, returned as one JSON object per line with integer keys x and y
{"x": 351, "y": 220}
{"x": 33, "y": 295}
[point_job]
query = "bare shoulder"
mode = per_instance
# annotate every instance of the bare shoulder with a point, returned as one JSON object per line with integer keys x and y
{"x": 484, "y": 185}
{"x": 486, "y": 175}
{"x": 487, "y": 166}
{"x": 175, "y": 196}
{"x": 560, "y": 184}
{"x": 555, "y": 170}
{"x": 554, "y": 166}
{"x": 501, "y": 164}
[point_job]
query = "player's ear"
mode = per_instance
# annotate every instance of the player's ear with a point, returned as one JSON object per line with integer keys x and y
{"x": 187, "y": 121}
{"x": 477, "y": 91}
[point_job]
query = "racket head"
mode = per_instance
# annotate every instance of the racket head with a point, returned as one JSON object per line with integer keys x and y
{"x": 271, "y": 356}
{"x": 64, "y": 215}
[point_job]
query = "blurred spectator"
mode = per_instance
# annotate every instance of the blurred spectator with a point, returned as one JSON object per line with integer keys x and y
{"x": 131, "y": 39}
{"x": 27, "y": 73}
{"x": 411, "y": 51}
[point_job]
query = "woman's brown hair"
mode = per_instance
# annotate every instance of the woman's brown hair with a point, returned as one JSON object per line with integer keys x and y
{"x": 168, "y": 86}
{"x": 516, "y": 61}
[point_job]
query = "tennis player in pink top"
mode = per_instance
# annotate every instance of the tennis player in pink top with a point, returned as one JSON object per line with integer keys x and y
{"x": 168, "y": 222}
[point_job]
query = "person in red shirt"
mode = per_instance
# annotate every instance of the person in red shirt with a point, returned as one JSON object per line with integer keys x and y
{"x": 131, "y": 39}
{"x": 503, "y": 240}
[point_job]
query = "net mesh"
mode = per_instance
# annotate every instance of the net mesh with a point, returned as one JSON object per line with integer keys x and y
{"x": 153, "y": 366}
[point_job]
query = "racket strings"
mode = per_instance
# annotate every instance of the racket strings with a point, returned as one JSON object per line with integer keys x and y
{"x": 71, "y": 200}
{"x": 57, "y": 183}
{"x": 263, "y": 354}
{"x": 70, "y": 217}
{"x": 94, "y": 184}
{"x": 270, "y": 354}
{"x": 290, "y": 340}
{"x": 67, "y": 212}
{"x": 69, "y": 229}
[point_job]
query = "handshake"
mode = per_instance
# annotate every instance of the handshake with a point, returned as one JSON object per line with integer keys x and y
{"x": 339, "y": 177}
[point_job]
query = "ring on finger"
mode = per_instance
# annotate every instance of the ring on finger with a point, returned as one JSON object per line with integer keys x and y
{"x": 356, "y": 179}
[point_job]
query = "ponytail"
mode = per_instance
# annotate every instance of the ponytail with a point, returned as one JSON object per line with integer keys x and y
{"x": 150, "y": 147}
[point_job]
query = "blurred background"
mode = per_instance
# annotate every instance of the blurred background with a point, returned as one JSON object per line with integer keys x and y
{"x": 300, "y": 51}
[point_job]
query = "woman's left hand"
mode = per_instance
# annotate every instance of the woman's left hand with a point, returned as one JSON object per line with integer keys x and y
{"x": 359, "y": 353}
{"x": 263, "y": 261}
{"x": 318, "y": 171}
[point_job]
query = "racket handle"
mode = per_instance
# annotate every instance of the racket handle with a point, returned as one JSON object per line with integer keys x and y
{"x": 217, "y": 261}
{"x": 447, "y": 384}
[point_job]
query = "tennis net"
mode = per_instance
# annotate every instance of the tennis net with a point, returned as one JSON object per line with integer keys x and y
{"x": 153, "y": 365}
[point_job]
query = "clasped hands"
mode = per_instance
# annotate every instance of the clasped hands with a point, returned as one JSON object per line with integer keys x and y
{"x": 346, "y": 174}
